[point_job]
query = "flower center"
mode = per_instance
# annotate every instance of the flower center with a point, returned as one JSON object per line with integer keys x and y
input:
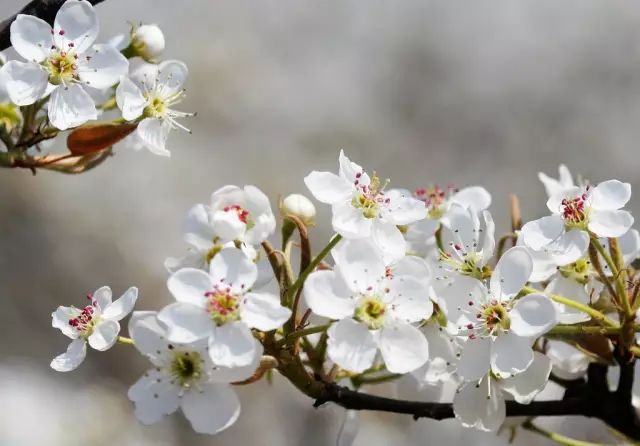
{"x": 369, "y": 198}
{"x": 492, "y": 318}
{"x": 464, "y": 263}
{"x": 222, "y": 306}
{"x": 578, "y": 270}
{"x": 86, "y": 319}
{"x": 575, "y": 211}
{"x": 371, "y": 312}
{"x": 62, "y": 67}
{"x": 242, "y": 213}
{"x": 435, "y": 199}
{"x": 186, "y": 367}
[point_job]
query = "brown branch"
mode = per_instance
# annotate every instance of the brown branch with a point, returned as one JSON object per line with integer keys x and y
{"x": 44, "y": 9}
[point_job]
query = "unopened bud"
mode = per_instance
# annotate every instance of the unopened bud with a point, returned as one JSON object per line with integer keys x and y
{"x": 300, "y": 206}
{"x": 147, "y": 41}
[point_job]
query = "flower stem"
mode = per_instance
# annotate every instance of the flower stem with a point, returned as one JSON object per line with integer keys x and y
{"x": 583, "y": 329}
{"x": 125, "y": 340}
{"x": 621, "y": 292}
{"x": 312, "y": 266}
{"x": 360, "y": 380}
{"x": 595, "y": 314}
{"x": 300, "y": 333}
{"x": 558, "y": 438}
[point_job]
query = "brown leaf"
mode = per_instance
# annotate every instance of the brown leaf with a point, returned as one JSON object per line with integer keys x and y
{"x": 596, "y": 346}
{"x": 96, "y": 137}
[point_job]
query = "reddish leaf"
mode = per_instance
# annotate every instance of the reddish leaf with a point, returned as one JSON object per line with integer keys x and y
{"x": 596, "y": 346}
{"x": 96, "y": 137}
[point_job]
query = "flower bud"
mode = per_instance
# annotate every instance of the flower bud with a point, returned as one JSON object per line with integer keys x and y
{"x": 147, "y": 41}
{"x": 300, "y": 206}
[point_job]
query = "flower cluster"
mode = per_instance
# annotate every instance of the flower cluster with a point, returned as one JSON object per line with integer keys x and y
{"x": 62, "y": 79}
{"x": 411, "y": 285}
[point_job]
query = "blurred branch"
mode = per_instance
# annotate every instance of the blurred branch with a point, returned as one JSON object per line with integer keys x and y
{"x": 44, "y": 9}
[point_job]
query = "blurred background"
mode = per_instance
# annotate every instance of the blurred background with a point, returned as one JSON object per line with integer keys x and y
{"x": 423, "y": 91}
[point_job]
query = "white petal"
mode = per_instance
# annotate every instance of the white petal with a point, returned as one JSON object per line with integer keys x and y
{"x": 350, "y": 170}
{"x": 569, "y": 288}
{"x": 569, "y": 247}
{"x": 198, "y": 230}
{"x": 630, "y": 246}
{"x": 232, "y": 267}
{"x": 533, "y": 315}
{"x": 610, "y": 195}
{"x": 327, "y": 187}
{"x": 610, "y": 223}
{"x": 123, "y": 306}
{"x": 25, "y": 82}
{"x": 149, "y": 337}
{"x": 327, "y": 296}
{"x": 489, "y": 240}
{"x": 72, "y": 358}
{"x": 463, "y": 225}
{"x": 480, "y": 405}
{"x": 103, "y": 297}
{"x": 409, "y": 299}
{"x": 413, "y": 266}
{"x": 539, "y": 233}
{"x": 102, "y": 66}
{"x": 211, "y": 409}
{"x": 235, "y": 374}
{"x": 186, "y": 322}
{"x": 349, "y": 428}
{"x": 349, "y": 222}
{"x": 526, "y": 385}
{"x": 31, "y": 37}
{"x": 511, "y": 273}
{"x": 454, "y": 299}
{"x": 439, "y": 366}
{"x": 403, "y": 347}
{"x": 228, "y": 225}
{"x": 568, "y": 362}
{"x": 510, "y": 354}
{"x": 389, "y": 239}
{"x": 403, "y": 208}
{"x": 233, "y": 345}
{"x": 154, "y": 397}
{"x": 60, "y": 320}
{"x": 130, "y": 99}
{"x": 475, "y": 197}
{"x": 105, "y": 335}
{"x": 172, "y": 74}
{"x": 264, "y": 222}
{"x": 351, "y": 345}
{"x": 71, "y": 106}
{"x": 189, "y": 285}
{"x": 360, "y": 263}
{"x": 76, "y": 23}
{"x": 263, "y": 311}
{"x": 474, "y": 359}
{"x": 143, "y": 73}
{"x": 154, "y": 134}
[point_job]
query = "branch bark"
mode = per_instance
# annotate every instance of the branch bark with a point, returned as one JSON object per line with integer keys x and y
{"x": 44, "y": 9}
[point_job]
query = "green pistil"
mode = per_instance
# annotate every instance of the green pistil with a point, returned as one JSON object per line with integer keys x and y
{"x": 578, "y": 271}
{"x": 61, "y": 67}
{"x": 186, "y": 367}
{"x": 496, "y": 316}
{"x": 371, "y": 312}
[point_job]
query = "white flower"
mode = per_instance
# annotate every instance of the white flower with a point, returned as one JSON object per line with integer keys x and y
{"x": 438, "y": 202}
{"x": 552, "y": 186}
{"x": 481, "y": 404}
{"x": 97, "y": 324}
{"x": 184, "y": 377}
{"x": 375, "y": 311}
{"x": 441, "y": 364}
{"x": 149, "y": 93}
{"x": 204, "y": 244}
{"x": 60, "y": 62}
{"x": 568, "y": 362}
{"x": 300, "y": 206}
{"x": 221, "y": 307}
{"x": 361, "y": 208}
{"x": 499, "y": 328}
{"x": 578, "y": 210}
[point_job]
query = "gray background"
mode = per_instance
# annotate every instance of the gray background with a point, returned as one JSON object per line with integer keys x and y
{"x": 423, "y": 91}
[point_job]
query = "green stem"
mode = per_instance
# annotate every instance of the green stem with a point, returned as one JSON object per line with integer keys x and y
{"x": 620, "y": 289}
{"x": 360, "y": 380}
{"x": 312, "y": 266}
{"x": 439, "y": 239}
{"x": 583, "y": 329}
{"x": 124, "y": 340}
{"x": 558, "y": 438}
{"x": 595, "y": 314}
{"x": 300, "y": 333}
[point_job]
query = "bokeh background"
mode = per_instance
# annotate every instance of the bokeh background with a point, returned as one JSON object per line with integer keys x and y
{"x": 423, "y": 91}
